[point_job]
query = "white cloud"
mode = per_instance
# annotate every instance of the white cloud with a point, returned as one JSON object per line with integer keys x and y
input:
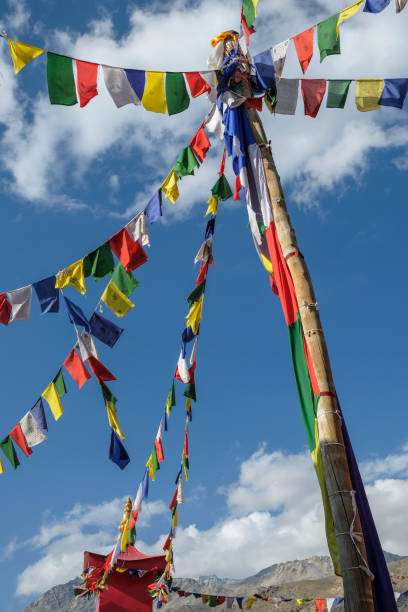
{"x": 46, "y": 150}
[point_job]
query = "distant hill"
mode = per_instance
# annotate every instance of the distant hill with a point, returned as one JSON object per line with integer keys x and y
{"x": 312, "y": 577}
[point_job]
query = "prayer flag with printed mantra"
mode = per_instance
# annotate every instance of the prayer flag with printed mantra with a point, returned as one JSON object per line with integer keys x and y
{"x": 327, "y": 39}
{"x": 116, "y": 300}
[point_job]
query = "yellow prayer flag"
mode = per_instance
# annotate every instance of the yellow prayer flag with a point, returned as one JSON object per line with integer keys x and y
{"x": 154, "y": 97}
{"x": 168, "y": 405}
{"x": 194, "y": 316}
{"x": 116, "y": 300}
{"x": 167, "y": 558}
{"x": 212, "y": 206}
{"x": 205, "y": 598}
{"x": 73, "y": 275}
{"x": 188, "y": 404}
{"x": 347, "y": 13}
{"x": 1, "y": 467}
{"x": 267, "y": 264}
{"x": 250, "y": 602}
{"x": 185, "y": 473}
{"x": 113, "y": 420}
{"x": 174, "y": 522}
{"x": 121, "y": 570}
{"x": 51, "y": 396}
{"x": 21, "y": 54}
{"x": 149, "y": 465}
{"x": 300, "y": 602}
{"x": 124, "y": 538}
{"x": 368, "y": 93}
{"x": 169, "y": 187}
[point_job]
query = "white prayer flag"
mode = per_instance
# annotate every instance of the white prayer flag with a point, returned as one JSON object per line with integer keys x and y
{"x": 20, "y": 300}
{"x": 137, "y": 229}
{"x": 31, "y": 431}
{"x": 279, "y": 56}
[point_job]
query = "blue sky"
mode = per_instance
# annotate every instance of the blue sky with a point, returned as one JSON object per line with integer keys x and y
{"x": 70, "y": 178}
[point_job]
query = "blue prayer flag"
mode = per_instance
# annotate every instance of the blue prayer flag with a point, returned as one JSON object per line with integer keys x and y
{"x": 394, "y": 92}
{"x": 47, "y": 294}
{"x": 117, "y": 452}
{"x": 209, "y": 230}
{"x": 76, "y": 315}
{"x": 145, "y": 485}
{"x": 265, "y": 71}
{"x": 153, "y": 210}
{"x": 137, "y": 79}
{"x": 337, "y": 601}
{"x": 375, "y": 6}
{"x": 239, "y": 601}
{"x": 38, "y": 413}
{"x": 103, "y": 329}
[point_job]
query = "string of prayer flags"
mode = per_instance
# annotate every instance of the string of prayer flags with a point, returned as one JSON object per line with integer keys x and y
{"x": 153, "y": 210}
{"x": 313, "y": 91}
{"x": 169, "y": 187}
{"x": 103, "y": 329}
{"x": 22, "y": 53}
{"x": 394, "y": 92}
{"x": 47, "y": 294}
{"x": 8, "y": 449}
{"x": 186, "y": 163}
{"x": 20, "y": 300}
{"x": 116, "y": 300}
{"x": 73, "y": 275}
{"x": 368, "y": 93}
{"x": 119, "y": 87}
{"x": 177, "y": 96}
{"x": 337, "y": 93}
{"x": 327, "y": 38}
{"x": 129, "y": 252}
{"x": 117, "y": 452}
{"x": 87, "y": 74}
{"x": 304, "y": 47}
{"x": 124, "y": 281}
{"x": 76, "y": 315}
{"x": 60, "y": 79}
{"x": 137, "y": 229}
{"x": 154, "y": 96}
{"x": 5, "y": 309}
{"x": 99, "y": 263}
{"x": 375, "y": 6}
{"x": 77, "y": 369}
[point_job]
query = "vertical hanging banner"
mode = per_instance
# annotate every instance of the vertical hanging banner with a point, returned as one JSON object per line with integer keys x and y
{"x": 60, "y": 79}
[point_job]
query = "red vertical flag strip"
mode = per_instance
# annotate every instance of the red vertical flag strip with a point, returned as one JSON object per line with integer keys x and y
{"x": 304, "y": 47}
{"x": 313, "y": 91}
{"x": 87, "y": 74}
{"x": 76, "y": 368}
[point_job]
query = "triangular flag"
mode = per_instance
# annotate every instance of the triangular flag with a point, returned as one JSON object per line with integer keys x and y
{"x": 196, "y": 83}
{"x": 19, "y": 438}
{"x": 20, "y": 300}
{"x": 21, "y": 54}
{"x": 313, "y": 91}
{"x": 304, "y": 47}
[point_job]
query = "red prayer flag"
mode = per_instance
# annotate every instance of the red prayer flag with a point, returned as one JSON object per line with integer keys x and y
{"x": 133, "y": 520}
{"x": 281, "y": 276}
{"x": 203, "y": 272}
{"x": 173, "y": 503}
{"x": 304, "y": 48}
{"x": 248, "y": 31}
{"x": 131, "y": 254}
{"x": 200, "y": 144}
{"x": 76, "y": 368}
{"x": 313, "y": 91}
{"x": 197, "y": 84}
{"x": 220, "y": 600}
{"x": 320, "y": 605}
{"x": 101, "y": 373}
{"x": 222, "y": 166}
{"x": 19, "y": 438}
{"x": 186, "y": 445}
{"x": 167, "y": 543}
{"x": 237, "y": 188}
{"x": 87, "y": 74}
{"x": 254, "y": 103}
{"x": 159, "y": 450}
{"x": 5, "y": 309}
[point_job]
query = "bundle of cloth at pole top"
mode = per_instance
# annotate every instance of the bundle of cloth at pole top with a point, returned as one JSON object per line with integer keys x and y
{"x": 161, "y": 92}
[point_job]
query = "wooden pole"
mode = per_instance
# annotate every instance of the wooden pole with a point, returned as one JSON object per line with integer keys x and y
{"x": 357, "y": 584}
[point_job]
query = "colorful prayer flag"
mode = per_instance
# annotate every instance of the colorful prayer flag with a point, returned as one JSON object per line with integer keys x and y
{"x": 101, "y": 373}
{"x": 304, "y": 47}
{"x": 154, "y": 98}
{"x": 279, "y": 52}
{"x": 347, "y": 13}
{"x": 119, "y": 87}
{"x": 221, "y": 189}
{"x": 186, "y": 163}
{"x": 8, "y": 449}
{"x": 196, "y": 294}
{"x": 177, "y": 96}
{"x": 19, "y": 438}
{"x": 113, "y": 419}
{"x": 137, "y": 229}
{"x": 116, "y": 300}
{"x": 287, "y": 96}
{"x": 5, "y": 309}
{"x": 20, "y": 300}
{"x": 103, "y": 329}
{"x": 99, "y": 263}
{"x": 265, "y": 70}
{"x": 76, "y": 367}
{"x": 153, "y": 210}
{"x": 21, "y": 54}
{"x": 337, "y": 93}
{"x": 194, "y": 316}
{"x": 196, "y": 83}
{"x": 137, "y": 79}
{"x": 200, "y": 144}
{"x": 394, "y": 93}
{"x": 125, "y": 282}
{"x": 51, "y": 396}
{"x": 87, "y": 74}
{"x": 313, "y": 91}
{"x": 169, "y": 187}
{"x": 60, "y": 79}
{"x": 249, "y": 8}
{"x": 327, "y": 38}
{"x": 368, "y": 94}
{"x": 117, "y": 452}
{"x": 39, "y": 414}
{"x": 47, "y": 294}
{"x": 31, "y": 431}
{"x": 73, "y": 275}
{"x": 131, "y": 254}
{"x": 59, "y": 383}
{"x": 375, "y": 6}
{"x": 76, "y": 316}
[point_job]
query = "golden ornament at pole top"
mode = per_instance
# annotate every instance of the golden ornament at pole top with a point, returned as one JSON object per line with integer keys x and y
{"x": 126, "y": 515}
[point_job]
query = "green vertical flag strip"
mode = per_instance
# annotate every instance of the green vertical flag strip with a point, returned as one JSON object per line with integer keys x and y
{"x": 177, "y": 97}
{"x": 60, "y": 79}
{"x": 196, "y": 294}
{"x": 327, "y": 39}
{"x": 59, "y": 383}
{"x": 8, "y": 449}
{"x": 337, "y": 93}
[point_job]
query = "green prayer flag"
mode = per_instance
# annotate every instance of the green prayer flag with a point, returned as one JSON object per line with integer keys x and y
{"x": 177, "y": 97}
{"x": 172, "y": 395}
{"x": 337, "y": 93}
{"x": 155, "y": 461}
{"x": 213, "y": 601}
{"x": 249, "y": 11}
{"x": 99, "y": 263}
{"x": 8, "y": 449}
{"x": 185, "y": 462}
{"x": 60, "y": 384}
{"x": 186, "y": 162}
{"x": 108, "y": 395}
{"x": 327, "y": 39}
{"x": 196, "y": 294}
{"x": 190, "y": 392}
{"x": 60, "y": 78}
{"x": 124, "y": 281}
{"x": 221, "y": 189}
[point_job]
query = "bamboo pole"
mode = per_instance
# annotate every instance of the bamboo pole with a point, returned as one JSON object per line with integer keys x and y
{"x": 357, "y": 584}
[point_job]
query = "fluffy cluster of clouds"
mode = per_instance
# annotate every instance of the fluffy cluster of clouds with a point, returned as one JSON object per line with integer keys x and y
{"x": 274, "y": 514}
{"x": 46, "y": 149}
